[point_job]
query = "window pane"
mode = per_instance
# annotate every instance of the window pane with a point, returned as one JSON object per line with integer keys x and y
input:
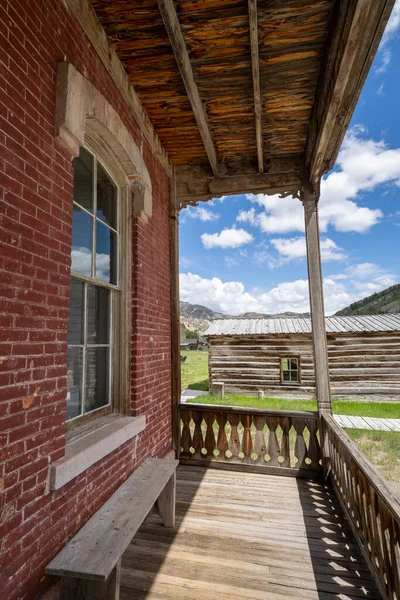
{"x": 98, "y": 315}
{"x": 293, "y": 364}
{"x": 74, "y": 382}
{"x": 294, "y": 376}
{"x": 97, "y": 377}
{"x": 82, "y": 242}
{"x": 106, "y": 198}
{"x": 285, "y": 364}
{"x": 83, "y": 179}
{"x": 286, "y": 376}
{"x": 76, "y": 313}
{"x": 106, "y": 254}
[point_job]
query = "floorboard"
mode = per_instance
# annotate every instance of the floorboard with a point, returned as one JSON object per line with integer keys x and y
{"x": 244, "y": 536}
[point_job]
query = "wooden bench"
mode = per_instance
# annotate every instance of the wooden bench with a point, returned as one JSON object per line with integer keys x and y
{"x": 89, "y": 565}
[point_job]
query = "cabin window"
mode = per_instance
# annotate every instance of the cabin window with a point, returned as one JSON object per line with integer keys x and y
{"x": 290, "y": 370}
{"x": 94, "y": 288}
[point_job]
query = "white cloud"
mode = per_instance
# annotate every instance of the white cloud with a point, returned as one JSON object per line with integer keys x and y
{"x": 363, "y": 164}
{"x": 227, "y": 238}
{"x": 81, "y": 262}
{"x": 384, "y": 55}
{"x": 199, "y": 212}
{"x": 295, "y": 248}
{"x": 393, "y": 26}
{"x": 232, "y": 298}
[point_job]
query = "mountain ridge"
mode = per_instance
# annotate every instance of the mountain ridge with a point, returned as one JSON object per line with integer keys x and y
{"x": 385, "y": 302}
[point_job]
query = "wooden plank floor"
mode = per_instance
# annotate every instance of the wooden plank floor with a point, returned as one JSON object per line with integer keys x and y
{"x": 247, "y": 536}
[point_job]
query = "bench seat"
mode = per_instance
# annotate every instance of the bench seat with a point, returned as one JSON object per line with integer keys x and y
{"x": 89, "y": 564}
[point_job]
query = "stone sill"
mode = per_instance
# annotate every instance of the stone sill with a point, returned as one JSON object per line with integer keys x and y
{"x": 85, "y": 451}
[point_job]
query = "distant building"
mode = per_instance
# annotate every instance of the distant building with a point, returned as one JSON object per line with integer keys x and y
{"x": 191, "y": 344}
{"x": 274, "y": 355}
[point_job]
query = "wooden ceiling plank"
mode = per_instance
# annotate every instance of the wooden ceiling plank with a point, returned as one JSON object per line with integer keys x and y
{"x": 255, "y": 65}
{"x": 178, "y": 45}
{"x": 358, "y": 25}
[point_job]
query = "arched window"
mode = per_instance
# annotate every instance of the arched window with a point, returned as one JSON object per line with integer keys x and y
{"x": 95, "y": 288}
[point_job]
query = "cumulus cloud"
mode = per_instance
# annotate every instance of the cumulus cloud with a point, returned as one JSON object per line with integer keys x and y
{"x": 363, "y": 164}
{"x": 201, "y": 213}
{"x": 81, "y": 262}
{"x": 227, "y": 238}
{"x": 232, "y": 298}
{"x": 295, "y": 248}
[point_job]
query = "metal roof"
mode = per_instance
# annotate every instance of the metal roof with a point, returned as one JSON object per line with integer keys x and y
{"x": 357, "y": 324}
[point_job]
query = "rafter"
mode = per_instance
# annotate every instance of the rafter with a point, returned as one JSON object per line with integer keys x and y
{"x": 255, "y": 65}
{"x": 358, "y": 26}
{"x": 178, "y": 45}
{"x": 282, "y": 176}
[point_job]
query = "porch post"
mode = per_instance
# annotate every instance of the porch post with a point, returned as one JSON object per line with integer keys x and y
{"x": 310, "y": 198}
{"x": 175, "y": 315}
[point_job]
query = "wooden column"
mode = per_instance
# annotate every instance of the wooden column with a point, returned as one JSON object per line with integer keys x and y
{"x": 310, "y": 200}
{"x": 175, "y": 315}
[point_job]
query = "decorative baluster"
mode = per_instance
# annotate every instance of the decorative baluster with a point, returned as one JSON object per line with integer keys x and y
{"x": 285, "y": 423}
{"x": 273, "y": 445}
{"x": 300, "y": 448}
{"x": 234, "y": 440}
{"x": 259, "y": 441}
{"x": 313, "y": 446}
{"x": 209, "y": 443}
{"x": 185, "y": 436}
{"x": 222, "y": 442}
{"x": 247, "y": 445}
{"x": 197, "y": 434}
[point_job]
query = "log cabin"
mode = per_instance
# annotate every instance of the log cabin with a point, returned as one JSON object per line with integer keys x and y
{"x": 276, "y": 355}
{"x": 114, "y": 116}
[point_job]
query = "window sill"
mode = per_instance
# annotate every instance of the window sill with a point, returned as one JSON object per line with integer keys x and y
{"x": 84, "y": 451}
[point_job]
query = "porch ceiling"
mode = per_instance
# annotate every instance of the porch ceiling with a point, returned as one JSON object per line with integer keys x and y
{"x": 260, "y": 95}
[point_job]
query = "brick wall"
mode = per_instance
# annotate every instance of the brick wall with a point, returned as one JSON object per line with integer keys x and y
{"x": 35, "y": 237}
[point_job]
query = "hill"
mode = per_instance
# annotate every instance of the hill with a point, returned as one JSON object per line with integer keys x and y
{"x": 197, "y": 317}
{"x": 385, "y": 302}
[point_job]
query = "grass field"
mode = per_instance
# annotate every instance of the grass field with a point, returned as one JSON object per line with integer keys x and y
{"x": 382, "y": 448}
{"x": 194, "y": 371}
{"x": 195, "y": 376}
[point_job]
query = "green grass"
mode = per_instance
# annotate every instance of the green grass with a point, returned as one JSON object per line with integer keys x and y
{"x": 341, "y": 407}
{"x": 382, "y": 448}
{"x": 194, "y": 371}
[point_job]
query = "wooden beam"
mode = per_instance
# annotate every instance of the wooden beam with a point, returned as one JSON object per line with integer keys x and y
{"x": 175, "y": 315}
{"x": 87, "y": 19}
{"x": 255, "y": 65}
{"x": 357, "y": 28}
{"x": 315, "y": 284}
{"x": 280, "y": 175}
{"x": 178, "y": 45}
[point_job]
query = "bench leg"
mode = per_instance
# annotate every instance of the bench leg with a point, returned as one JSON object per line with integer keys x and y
{"x": 73, "y": 588}
{"x": 166, "y": 502}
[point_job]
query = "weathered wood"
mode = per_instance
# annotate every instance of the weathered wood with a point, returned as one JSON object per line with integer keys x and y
{"x": 272, "y": 441}
{"x": 372, "y": 507}
{"x": 246, "y": 535}
{"x": 255, "y": 66}
{"x": 175, "y": 314}
{"x": 95, "y": 550}
{"x": 72, "y": 588}
{"x": 173, "y": 27}
{"x": 166, "y": 502}
{"x": 281, "y": 175}
{"x": 320, "y": 349}
{"x": 357, "y": 29}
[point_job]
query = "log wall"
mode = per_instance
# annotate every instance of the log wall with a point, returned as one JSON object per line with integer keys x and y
{"x": 358, "y": 362}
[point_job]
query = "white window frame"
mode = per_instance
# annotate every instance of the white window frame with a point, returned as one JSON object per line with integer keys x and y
{"x": 120, "y": 305}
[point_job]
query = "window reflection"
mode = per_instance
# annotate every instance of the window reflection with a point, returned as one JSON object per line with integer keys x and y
{"x": 83, "y": 179}
{"x": 106, "y": 198}
{"x": 82, "y": 242}
{"x": 106, "y": 254}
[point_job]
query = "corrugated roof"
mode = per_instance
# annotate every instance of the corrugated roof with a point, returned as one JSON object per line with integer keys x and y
{"x": 373, "y": 323}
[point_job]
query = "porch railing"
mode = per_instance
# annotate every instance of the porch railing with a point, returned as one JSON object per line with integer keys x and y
{"x": 277, "y": 442}
{"x": 371, "y": 506}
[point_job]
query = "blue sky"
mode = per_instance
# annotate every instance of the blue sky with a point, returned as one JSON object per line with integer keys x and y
{"x": 247, "y": 253}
